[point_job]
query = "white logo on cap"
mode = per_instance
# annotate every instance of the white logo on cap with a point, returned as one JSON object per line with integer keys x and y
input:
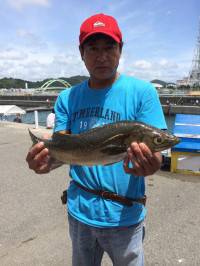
{"x": 98, "y": 24}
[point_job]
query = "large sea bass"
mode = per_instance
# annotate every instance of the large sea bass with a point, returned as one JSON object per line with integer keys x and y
{"x": 106, "y": 144}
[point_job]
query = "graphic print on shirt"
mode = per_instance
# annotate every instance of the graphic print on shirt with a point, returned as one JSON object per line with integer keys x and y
{"x": 89, "y": 117}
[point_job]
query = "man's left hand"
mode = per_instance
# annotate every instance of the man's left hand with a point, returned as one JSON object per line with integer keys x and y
{"x": 143, "y": 160}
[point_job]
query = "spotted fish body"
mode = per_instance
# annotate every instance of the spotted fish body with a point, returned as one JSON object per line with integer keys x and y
{"x": 106, "y": 144}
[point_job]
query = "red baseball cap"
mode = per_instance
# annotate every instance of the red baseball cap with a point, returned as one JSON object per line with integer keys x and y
{"x": 100, "y": 23}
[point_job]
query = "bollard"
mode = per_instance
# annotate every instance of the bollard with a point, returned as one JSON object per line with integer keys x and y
{"x": 36, "y": 118}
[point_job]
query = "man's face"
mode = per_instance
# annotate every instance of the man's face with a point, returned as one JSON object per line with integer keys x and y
{"x": 101, "y": 55}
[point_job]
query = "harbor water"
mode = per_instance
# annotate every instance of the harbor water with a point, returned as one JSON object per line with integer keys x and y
{"x": 28, "y": 118}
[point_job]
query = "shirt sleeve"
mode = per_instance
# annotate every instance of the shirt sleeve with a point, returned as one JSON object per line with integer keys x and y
{"x": 150, "y": 109}
{"x": 62, "y": 118}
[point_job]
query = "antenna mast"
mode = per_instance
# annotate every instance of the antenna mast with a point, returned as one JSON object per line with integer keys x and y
{"x": 194, "y": 76}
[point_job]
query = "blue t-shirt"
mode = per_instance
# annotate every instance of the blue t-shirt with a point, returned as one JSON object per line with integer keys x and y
{"x": 81, "y": 108}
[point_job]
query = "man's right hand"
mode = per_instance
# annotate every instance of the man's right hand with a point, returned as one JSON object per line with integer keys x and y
{"x": 38, "y": 159}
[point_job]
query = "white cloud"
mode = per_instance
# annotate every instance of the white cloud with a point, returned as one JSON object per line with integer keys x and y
{"x": 20, "y": 4}
{"x": 167, "y": 63}
{"x": 31, "y": 39}
{"x": 23, "y": 33}
{"x": 12, "y": 55}
{"x": 23, "y": 63}
{"x": 29, "y": 63}
{"x": 142, "y": 64}
{"x": 163, "y": 69}
{"x": 139, "y": 31}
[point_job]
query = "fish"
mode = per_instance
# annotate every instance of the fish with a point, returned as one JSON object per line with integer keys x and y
{"x": 104, "y": 145}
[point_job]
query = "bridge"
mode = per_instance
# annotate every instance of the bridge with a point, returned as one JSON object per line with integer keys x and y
{"x": 47, "y": 86}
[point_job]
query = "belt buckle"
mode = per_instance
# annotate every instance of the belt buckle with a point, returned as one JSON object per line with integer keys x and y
{"x": 105, "y": 194}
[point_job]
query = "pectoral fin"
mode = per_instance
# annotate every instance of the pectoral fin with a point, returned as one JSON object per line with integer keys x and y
{"x": 114, "y": 145}
{"x": 115, "y": 140}
{"x": 114, "y": 150}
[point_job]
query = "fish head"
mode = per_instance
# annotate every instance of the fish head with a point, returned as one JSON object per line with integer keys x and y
{"x": 158, "y": 140}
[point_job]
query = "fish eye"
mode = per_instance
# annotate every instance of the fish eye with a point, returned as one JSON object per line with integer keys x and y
{"x": 158, "y": 140}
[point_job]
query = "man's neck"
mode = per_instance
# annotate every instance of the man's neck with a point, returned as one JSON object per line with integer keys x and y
{"x": 101, "y": 84}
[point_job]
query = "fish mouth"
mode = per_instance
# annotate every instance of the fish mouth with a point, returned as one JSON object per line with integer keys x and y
{"x": 177, "y": 140}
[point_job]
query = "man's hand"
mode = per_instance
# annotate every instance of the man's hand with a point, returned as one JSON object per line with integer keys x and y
{"x": 144, "y": 161}
{"x": 38, "y": 159}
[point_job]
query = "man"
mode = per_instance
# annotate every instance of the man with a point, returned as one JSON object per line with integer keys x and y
{"x": 98, "y": 224}
{"x": 50, "y": 121}
{"x": 17, "y": 119}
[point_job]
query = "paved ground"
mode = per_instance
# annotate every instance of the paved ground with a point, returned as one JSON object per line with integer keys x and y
{"x": 33, "y": 225}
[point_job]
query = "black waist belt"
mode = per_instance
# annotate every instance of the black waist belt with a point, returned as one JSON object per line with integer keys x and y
{"x": 112, "y": 196}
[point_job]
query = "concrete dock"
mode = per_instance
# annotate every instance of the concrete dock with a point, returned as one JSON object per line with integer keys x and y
{"x": 33, "y": 223}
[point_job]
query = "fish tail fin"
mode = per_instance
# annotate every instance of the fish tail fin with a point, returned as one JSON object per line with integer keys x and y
{"x": 34, "y": 138}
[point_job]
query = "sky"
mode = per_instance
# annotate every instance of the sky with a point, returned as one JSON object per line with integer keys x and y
{"x": 39, "y": 38}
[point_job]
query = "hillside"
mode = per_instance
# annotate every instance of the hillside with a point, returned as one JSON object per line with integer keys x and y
{"x": 9, "y": 83}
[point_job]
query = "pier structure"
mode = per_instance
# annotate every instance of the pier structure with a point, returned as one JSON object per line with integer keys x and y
{"x": 44, "y": 98}
{"x": 172, "y": 104}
